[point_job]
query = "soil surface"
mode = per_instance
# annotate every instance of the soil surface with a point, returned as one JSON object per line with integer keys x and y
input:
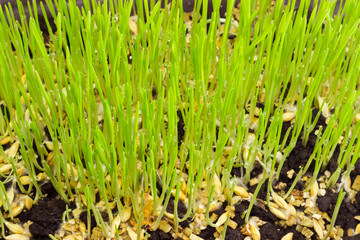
{"x": 46, "y": 215}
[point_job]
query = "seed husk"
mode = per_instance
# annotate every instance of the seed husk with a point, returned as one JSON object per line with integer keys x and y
{"x": 232, "y": 224}
{"x": 5, "y": 168}
{"x": 69, "y": 237}
{"x": 133, "y": 26}
{"x": 16, "y": 210}
{"x": 350, "y": 232}
{"x": 25, "y": 180}
{"x": 82, "y": 227}
{"x": 213, "y": 217}
{"x": 318, "y": 229}
{"x": 357, "y": 229}
{"x": 292, "y": 210}
{"x": 49, "y": 145}
{"x": 255, "y": 233}
{"x": 314, "y": 189}
{"x": 11, "y": 152}
{"x": 325, "y": 110}
{"x": 17, "y": 237}
{"x": 213, "y": 206}
{"x": 132, "y": 234}
{"x": 115, "y": 224}
{"x": 222, "y": 219}
{"x": 240, "y": 191}
{"x": 183, "y": 187}
{"x": 11, "y": 195}
{"x": 253, "y": 181}
{"x": 280, "y": 201}
{"x": 148, "y": 206}
{"x": 307, "y": 222}
{"x": 69, "y": 227}
{"x": 194, "y": 237}
{"x": 288, "y": 116}
{"x": 182, "y": 196}
{"x": 50, "y": 158}
{"x": 235, "y": 200}
{"x": 187, "y": 231}
{"x": 357, "y": 117}
{"x": 41, "y": 176}
{"x": 217, "y": 184}
{"x": 278, "y": 213}
{"x": 288, "y": 236}
{"x": 164, "y": 226}
{"x": 28, "y": 202}
{"x": 5, "y": 140}
{"x": 356, "y": 184}
{"x": 169, "y": 215}
{"x": 14, "y": 228}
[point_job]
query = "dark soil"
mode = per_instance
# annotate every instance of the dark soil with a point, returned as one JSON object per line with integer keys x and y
{"x": 347, "y": 211}
{"x": 180, "y": 127}
{"x": 158, "y": 234}
{"x": 46, "y": 215}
